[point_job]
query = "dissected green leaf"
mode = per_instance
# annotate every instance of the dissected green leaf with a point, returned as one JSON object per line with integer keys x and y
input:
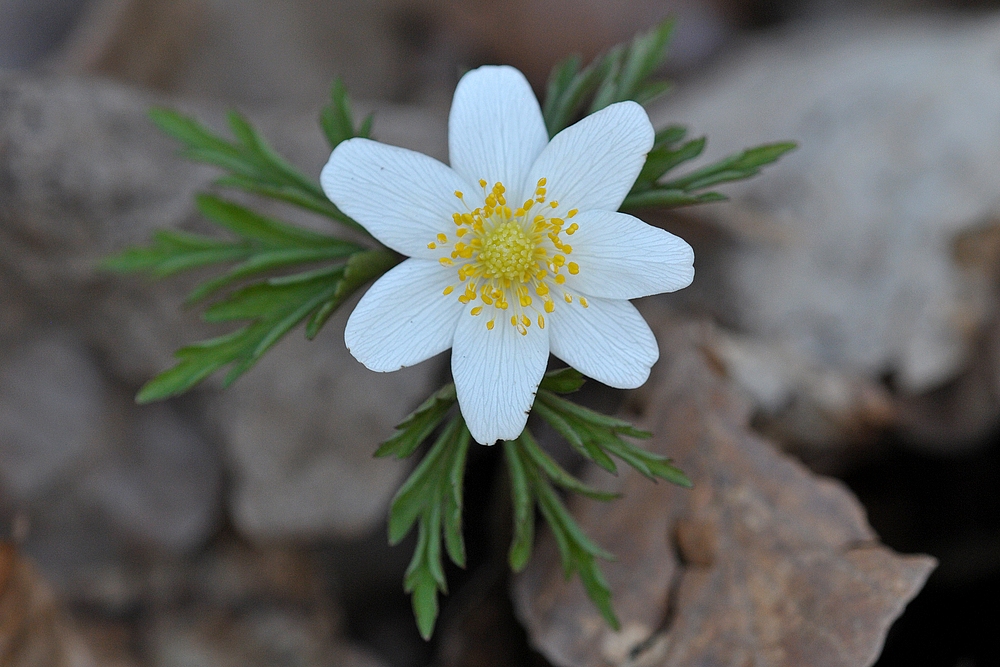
{"x": 598, "y": 437}
{"x": 735, "y": 167}
{"x": 620, "y": 74}
{"x": 419, "y": 424}
{"x": 276, "y": 306}
{"x": 562, "y": 381}
{"x": 524, "y": 509}
{"x": 432, "y": 498}
{"x": 173, "y": 251}
{"x": 530, "y": 481}
{"x": 252, "y": 164}
{"x": 664, "y": 198}
{"x": 337, "y": 120}
{"x": 555, "y": 472}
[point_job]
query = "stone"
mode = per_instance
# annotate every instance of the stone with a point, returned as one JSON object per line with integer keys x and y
{"x": 34, "y": 630}
{"x": 844, "y": 253}
{"x": 761, "y": 562}
{"x": 300, "y": 430}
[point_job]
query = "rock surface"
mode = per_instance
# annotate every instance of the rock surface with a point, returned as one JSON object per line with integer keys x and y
{"x": 760, "y": 563}
{"x": 844, "y": 254}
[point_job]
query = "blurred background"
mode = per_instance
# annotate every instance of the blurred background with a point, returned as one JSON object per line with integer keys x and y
{"x": 852, "y": 292}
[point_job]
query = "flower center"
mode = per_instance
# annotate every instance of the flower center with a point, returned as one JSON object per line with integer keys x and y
{"x": 507, "y": 252}
{"x": 510, "y": 260}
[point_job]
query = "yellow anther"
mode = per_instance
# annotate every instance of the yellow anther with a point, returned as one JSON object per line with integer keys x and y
{"x": 432, "y": 245}
{"x": 572, "y": 212}
{"x": 540, "y": 191}
{"x": 528, "y": 203}
{"x": 567, "y": 248}
{"x": 506, "y": 211}
{"x": 518, "y": 213}
{"x": 445, "y": 261}
{"x": 541, "y": 322}
{"x": 560, "y": 279}
{"x": 541, "y": 289}
{"x": 489, "y": 325}
{"x": 574, "y": 268}
{"x": 541, "y": 182}
{"x": 487, "y": 300}
{"x": 464, "y": 299}
{"x": 525, "y": 320}
{"x": 525, "y": 300}
{"x": 503, "y": 305}
{"x": 549, "y": 306}
{"x": 583, "y": 302}
{"x": 442, "y": 238}
{"x": 458, "y": 193}
{"x": 462, "y": 232}
{"x": 554, "y": 204}
{"x": 567, "y": 297}
{"x": 477, "y": 310}
{"x": 513, "y": 320}
{"x": 491, "y": 200}
{"x": 482, "y": 183}
{"x": 448, "y": 290}
{"x": 558, "y": 260}
{"x": 572, "y": 229}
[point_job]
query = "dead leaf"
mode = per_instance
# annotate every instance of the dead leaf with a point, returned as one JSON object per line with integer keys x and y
{"x": 32, "y": 630}
{"x": 761, "y": 563}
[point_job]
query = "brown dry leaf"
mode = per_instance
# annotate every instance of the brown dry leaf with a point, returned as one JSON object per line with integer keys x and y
{"x": 762, "y": 563}
{"x": 32, "y": 631}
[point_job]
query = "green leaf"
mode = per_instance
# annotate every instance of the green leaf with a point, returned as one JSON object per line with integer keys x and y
{"x": 337, "y": 120}
{"x": 276, "y": 306}
{"x": 362, "y": 267}
{"x": 577, "y": 552}
{"x": 622, "y": 73}
{"x": 432, "y": 497}
{"x": 735, "y": 167}
{"x": 173, "y": 251}
{"x": 597, "y": 437}
{"x": 555, "y": 472}
{"x": 562, "y": 381}
{"x": 252, "y": 164}
{"x": 661, "y": 160}
{"x": 665, "y": 198}
{"x": 419, "y": 424}
{"x": 524, "y": 509}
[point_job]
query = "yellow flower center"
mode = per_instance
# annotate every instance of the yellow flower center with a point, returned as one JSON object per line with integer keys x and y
{"x": 507, "y": 252}
{"x": 510, "y": 260}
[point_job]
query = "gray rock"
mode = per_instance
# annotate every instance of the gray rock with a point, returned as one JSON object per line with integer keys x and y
{"x": 300, "y": 431}
{"x": 264, "y": 637}
{"x": 52, "y": 414}
{"x": 843, "y": 253}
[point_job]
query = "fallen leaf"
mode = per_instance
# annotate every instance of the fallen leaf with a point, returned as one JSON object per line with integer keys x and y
{"x": 761, "y": 563}
{"x": 33, "y": 632}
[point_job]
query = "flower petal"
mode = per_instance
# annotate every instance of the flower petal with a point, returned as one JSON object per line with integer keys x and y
{"x": 593, "y": 164}
{"x": 402, "y": 197}
{"x": 495, "y": 130}
{"x": 621, "y": 257}
{"x": 404, "y": 318}
{"x": 608, "y": 341}
{"x": 496, "y": 375}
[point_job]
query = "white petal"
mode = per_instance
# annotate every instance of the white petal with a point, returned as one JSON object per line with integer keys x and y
{"x": 495, "y": 130}
{"x": 608, "y": 341}
{"x": 593, "y": 164}
{"x": 621, "y": 257}
{"x": 496, "y": 375}
{"x": 402, "y": 197}
{"x": 404, "y": 318}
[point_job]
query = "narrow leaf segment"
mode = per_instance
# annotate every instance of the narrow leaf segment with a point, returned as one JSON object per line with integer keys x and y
{"x": 432, "y": 498}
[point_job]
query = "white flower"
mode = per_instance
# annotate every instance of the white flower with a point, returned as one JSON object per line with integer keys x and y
{"x": 516, "y": 250}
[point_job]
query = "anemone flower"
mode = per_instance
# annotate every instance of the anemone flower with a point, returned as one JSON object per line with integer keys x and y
{"x": 514, "y": 251}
